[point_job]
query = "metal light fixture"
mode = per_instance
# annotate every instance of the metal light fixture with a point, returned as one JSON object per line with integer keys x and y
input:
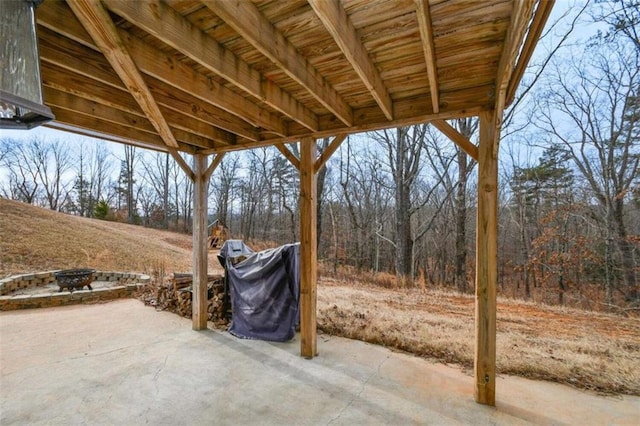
{"x": 21, "y": 105}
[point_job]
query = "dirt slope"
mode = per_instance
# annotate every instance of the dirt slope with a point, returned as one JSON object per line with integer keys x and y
{"x": 584, "y": 349}
{"x": 37, "y": 239}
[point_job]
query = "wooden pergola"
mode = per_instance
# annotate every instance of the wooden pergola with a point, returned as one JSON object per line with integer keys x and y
{"x": 206, "y": 77}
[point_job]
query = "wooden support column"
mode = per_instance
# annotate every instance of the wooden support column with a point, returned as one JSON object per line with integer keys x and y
{"x": 308, "y": 249}
{"x": 486, "y": 260}
{"x": 200, "y": 256}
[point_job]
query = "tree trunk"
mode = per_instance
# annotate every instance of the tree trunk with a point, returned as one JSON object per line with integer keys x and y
{"x": 461, "y": 222}
{"x": 626, "y": 252}
{"x": 404, "y": 241}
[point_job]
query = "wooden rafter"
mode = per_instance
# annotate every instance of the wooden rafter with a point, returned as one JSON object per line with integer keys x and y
{"x": 84, "y": 58}
{"x": 457, "y": 137}
{"x": 426, "y": 34}
{"x": 328, "y": 152}
{"x": 520, "y": 15}
{"x": 183, "y": 164}
{"x": 335, "y": 20}
{"x": 164, "y": 23}
{"x": 96, "y": 127}
{"x": 535, "y": 30}
{"x": 245, "y": 18}
{"x": 98, "y": 24}
{"x": 175, "y": 73}
{"x": 117, "y": 109}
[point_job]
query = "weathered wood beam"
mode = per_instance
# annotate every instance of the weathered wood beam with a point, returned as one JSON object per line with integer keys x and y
{"x": 98, "y": 24}
{"x": 92, "y": 108}
{"x": 520, "y": 16}
{"x": 533, "y": 35}
{"x": 68, "y": 54}
{"x": 486, "y": 261}
{"x": 247, "y": 20}
{"x": 328, "y": 152}
{"x": 86, "y": 60}
{"x": 185, "y": 128}
{"x": 169, "y": 70}
{"x": 200, "y": 260}
{"x": 295, "y": 161}
{"x": 457, "y": 138}
{"x": 335, "y": 20}
{"x": 183, "y": 164}
{"x": 164, "y": 23}
{"x": 213, "y": 166}
{"x": 130, "y": 136}
{"x": 426, "y": 34}
{"x": 57, "y": 16}
{"x": 91, "y": 133}
{"x": 185, "y": 103}
{"x": 308, "y": 249}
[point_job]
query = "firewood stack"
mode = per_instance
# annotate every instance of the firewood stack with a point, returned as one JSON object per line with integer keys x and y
{"x": 175, "y": 296}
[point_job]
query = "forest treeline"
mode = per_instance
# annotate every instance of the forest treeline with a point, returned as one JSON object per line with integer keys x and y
{"x": 402, "y": 201}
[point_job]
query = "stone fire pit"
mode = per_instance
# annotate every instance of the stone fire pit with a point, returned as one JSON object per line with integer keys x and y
{"x": 73, "y": 279}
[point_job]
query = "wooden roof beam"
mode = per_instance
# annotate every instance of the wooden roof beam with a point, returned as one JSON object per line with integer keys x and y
{"x": 131, "y": 136}
{"x": 335, "y": 20}
{"x": 247, "y": 20}
{"x": 520, "y": 17}
{"x": 457, "y": 138}
{"x": 122, "y": 111}
{"x": 98, "y": 24}
{"x": 533, "y": 35}
{"x": 85, "y": 58}
{"x": 426, "y": 34}
{"x": 169, "y": 70}
{"x": 164, "y": 23}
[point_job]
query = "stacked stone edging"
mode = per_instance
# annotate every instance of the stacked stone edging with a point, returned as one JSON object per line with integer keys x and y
{"x": 130, "y": 284}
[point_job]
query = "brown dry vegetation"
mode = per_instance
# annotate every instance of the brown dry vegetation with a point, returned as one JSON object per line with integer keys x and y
{"x": 585, "y": 349}
{"x": 37, "y": 239}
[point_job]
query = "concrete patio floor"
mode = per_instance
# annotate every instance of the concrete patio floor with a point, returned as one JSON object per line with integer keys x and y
{"x": 124, "y": 363}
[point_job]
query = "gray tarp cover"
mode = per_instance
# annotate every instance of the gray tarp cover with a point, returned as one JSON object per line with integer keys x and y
{"x": 265, "y": 290}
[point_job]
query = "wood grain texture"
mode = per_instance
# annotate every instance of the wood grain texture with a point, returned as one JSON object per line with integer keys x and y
{"x": 486, "y": 262}
{"x": 200, "y": 260}
{"x": 426, "y": 34}
{"x": 336, "y": 21}
{"x": 248, "y": 21}
{"x": 308, "y": 249}
{"x": 457, "y": 137}
{"x": 232, "y": 75}
{"x": 171, "y": 28}
{"x": 98, "y": 24}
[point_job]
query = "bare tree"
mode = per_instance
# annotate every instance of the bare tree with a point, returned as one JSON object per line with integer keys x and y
{"x": 592, "y": 109}
{"x": 223, "y": 186}
{"x": 156, "y": 175}
{"x": 21, "y": 163}
{"x": 55, "y": 160}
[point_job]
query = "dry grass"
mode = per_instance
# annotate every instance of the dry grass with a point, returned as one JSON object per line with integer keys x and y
{"x": 584, "y": 349}
{"x": 36, "y": 239}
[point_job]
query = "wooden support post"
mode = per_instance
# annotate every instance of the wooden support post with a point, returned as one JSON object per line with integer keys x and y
{"x": 308, "y": 249}
{"x": 486, "y": 260}
{"x": 200, "y": 256}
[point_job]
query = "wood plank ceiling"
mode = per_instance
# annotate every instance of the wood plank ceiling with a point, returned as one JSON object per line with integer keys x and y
{"x": 212, "y": 76}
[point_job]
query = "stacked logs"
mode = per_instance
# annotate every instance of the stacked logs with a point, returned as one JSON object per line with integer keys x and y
{"x": 175, "y": 296}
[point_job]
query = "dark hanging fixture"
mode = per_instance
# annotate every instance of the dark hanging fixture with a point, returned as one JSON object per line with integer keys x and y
{"x": 21, "y": 105}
